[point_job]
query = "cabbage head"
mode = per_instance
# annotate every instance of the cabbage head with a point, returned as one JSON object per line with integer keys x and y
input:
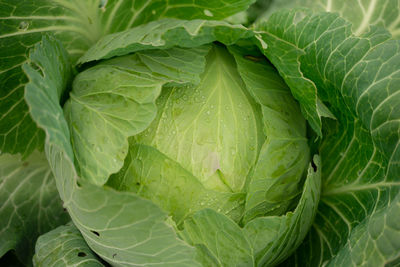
{"x": 206, "y": 133}
{"x": 172, "y": 133}
{"x": 220, "y": 142}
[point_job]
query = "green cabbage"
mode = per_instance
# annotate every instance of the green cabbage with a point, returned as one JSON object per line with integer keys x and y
{"x": 152, "y": 132}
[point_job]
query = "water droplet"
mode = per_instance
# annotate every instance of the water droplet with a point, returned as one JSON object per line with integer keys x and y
{"x": 208, "y": 112}
{"x": 212, "y": 106}
{"x": 226, "y": 107}
{"x": 153, "y": 12}
{"x": 173, "y": 132}
{"x": 201, "y": 203}
{"x": 23, "y": 26}
{"x": 219, "y": 210}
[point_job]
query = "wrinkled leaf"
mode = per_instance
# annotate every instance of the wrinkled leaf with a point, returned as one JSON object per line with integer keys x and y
{"x": 165, "y": 34}
{"x": 104, "y": 216}
{"x": 29, "y": 203}
{"x": 358, "y": 77}
{"x": 78, "y": 24}
{"x": 116, "y": 100}
{"x": 64, "y": 246}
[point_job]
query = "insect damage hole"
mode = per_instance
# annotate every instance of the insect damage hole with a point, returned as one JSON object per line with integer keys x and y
{"x": 96, "y": 233}
{"x": 314, "y": 166}
{"x": 82, "y": 254}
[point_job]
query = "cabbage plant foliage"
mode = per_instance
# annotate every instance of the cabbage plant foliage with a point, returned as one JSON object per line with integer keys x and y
{"x": 199, "y": 133}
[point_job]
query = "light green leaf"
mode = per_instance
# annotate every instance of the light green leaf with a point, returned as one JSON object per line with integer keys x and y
{"x": 48, "y": 71}
{"x": 29, "y": 203}
{"x": 277, "y": 177}
{"x": 78, "y": 24}
{"x": 64, "y": 246}
{"x": 164, "y": 34}
{"x": 116, "y": 99}
{"x": 105, "y": 217}
{"x": 195, "y": 123}
{"x": 264, "y": 241}
{"x": 219, "y": 240}
{"x": 358, "y": 77}
{"x": 274, "y": 238}
{"x": 154, "y": 176}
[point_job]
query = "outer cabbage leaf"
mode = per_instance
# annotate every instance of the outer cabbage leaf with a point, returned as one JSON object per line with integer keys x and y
{"x": 362, "y": 14}
{"x": 152, "y": 175}
{"x": 285, "y": 58}
{"x": 64, "y": 246}
{"x": 375, "y": 242}
{"x": 164, "y": 34}
{"x": 219, "y": 240}
{"x": 275, "y": 238}
{"x": 78, "y": 24}
{"x": 30, "y": 205}
{"x": 264, "y": 241}
{"x": 116, "y": 99}
{"x": 358, "y": 78}
{"x": 104, "y": 216}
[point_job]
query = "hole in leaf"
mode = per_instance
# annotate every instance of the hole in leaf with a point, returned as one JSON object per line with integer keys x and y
{"x": 313, "y": 166}
{"x": 115, "y": 254}
{"x": 78, "y": 184}
{"x": 96, "y": 233}
{"x": 37, "y": 68}
{"x": 81, "y": 254}
{"x": 253, "y": 58}
{"x": 23, "y": 26}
